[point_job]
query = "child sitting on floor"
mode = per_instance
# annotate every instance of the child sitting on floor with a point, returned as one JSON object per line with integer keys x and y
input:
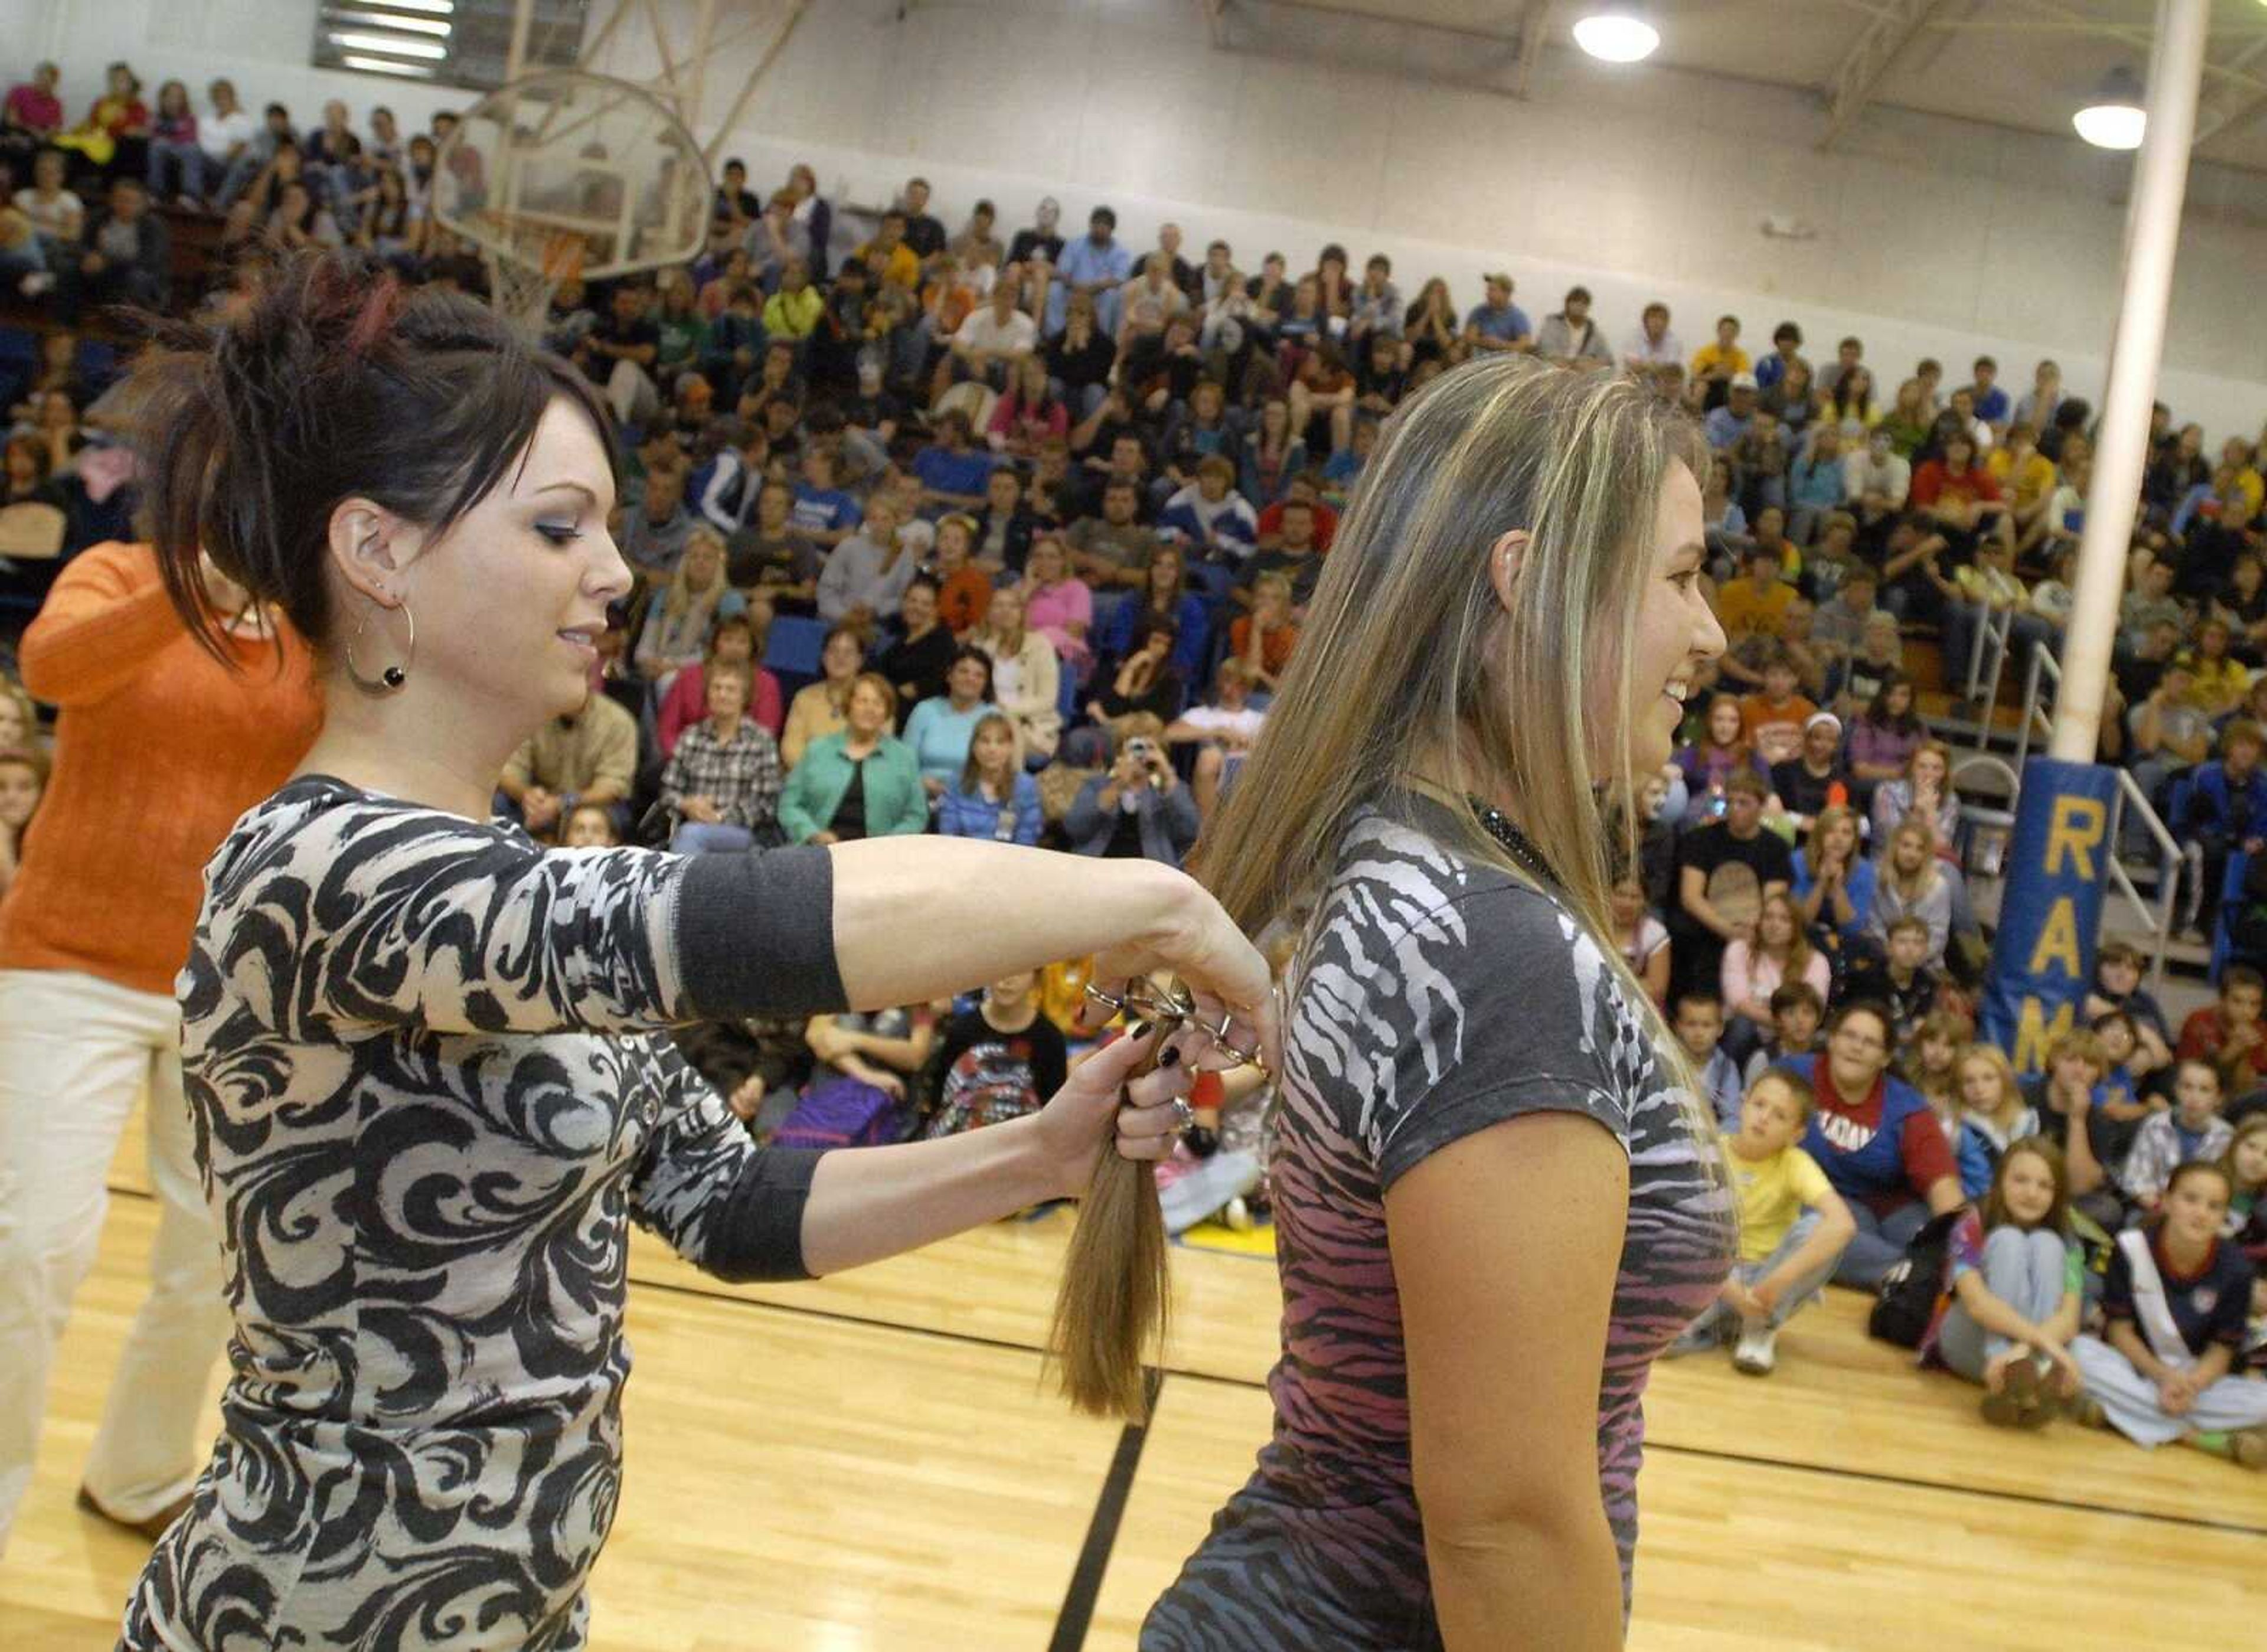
{"x": 2017, "y": 1291}
{"x": 2175, "y": 1310}
{"x": 1796, "y": 1010}
{"x": 2246, "y": 1164}
{"x": 1993, "y": 1115}
{"x": 1793, "y": 1227}
{"x": 1931, "y": 1065}
{"x": 1700, "y": 1029}
{"x": 2191, "y": 1130}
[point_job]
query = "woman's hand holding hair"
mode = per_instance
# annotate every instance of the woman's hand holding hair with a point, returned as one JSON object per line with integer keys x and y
{"x": 1101, "y": 1103}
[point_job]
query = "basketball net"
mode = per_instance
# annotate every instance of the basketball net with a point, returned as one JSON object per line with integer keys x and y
{"x": 520, "y": 290}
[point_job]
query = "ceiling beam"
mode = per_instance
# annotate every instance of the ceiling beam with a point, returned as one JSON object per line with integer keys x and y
{"x": 2230, "y": 106}
{"x": 1534, "y": 24}
{"x": 1860, "y": 73}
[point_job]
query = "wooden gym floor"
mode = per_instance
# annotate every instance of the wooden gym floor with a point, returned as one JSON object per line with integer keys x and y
{"x": 869, "y": 1463}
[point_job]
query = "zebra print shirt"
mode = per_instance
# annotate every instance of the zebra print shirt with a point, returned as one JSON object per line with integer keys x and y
{"x": 1438, "y": 997}
{"x": 423, "y": 1062}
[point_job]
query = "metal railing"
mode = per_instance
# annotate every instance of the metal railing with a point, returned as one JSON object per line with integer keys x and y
{"x": 2155, "y": 914}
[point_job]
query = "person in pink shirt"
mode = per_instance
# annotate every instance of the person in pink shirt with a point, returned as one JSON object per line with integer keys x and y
{"x": 734, "y": 639}
{"x": 1057, "y": 605}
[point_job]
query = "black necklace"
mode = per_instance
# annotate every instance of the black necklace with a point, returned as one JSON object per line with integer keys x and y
{"x": 1498, "y": 826}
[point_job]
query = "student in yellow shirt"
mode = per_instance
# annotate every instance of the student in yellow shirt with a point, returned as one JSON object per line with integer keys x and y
{"x": 1757, "y": 602}
{"x": 1793, "y": 1226}
{"x": 1717, "y": 362}
{"x": 2026, "y": 476}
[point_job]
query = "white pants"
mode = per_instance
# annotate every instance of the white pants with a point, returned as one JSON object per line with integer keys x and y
{"x": 2129, "y": 1401}
{"x": 74, "y": 1053}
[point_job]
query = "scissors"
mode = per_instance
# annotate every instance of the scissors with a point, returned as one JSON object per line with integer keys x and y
{"x": 1171, "y": 1009}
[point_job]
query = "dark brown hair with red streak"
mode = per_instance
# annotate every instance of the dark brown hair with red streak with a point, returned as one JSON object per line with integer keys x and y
{"x": 329, "y": 381}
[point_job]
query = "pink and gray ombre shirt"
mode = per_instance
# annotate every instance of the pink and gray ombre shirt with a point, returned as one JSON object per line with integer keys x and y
{"x": 1439, "y": 997}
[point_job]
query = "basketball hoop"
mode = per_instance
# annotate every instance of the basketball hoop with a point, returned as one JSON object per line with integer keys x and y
{"x": 521, "y": 292}
{"x": 565, "y": 175}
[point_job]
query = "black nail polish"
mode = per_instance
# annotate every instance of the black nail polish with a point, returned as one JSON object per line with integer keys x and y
{"x": 1171, "y": 1058}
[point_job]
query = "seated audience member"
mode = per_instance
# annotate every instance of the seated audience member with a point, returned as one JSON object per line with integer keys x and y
{"x": 1755, "y": 968}
{"x": 824, "y": 515}
{"x": 2191, "y": 1128}
{"x": 2247, "y": 1219}
{"x": 1137, "y": 809}
{"x": 1817, "y": 488}
{"x": 125, "y": 255}
{"x": 1910, "y": 883}
{"x": 2117, "y": 985}
{"x": 1793, "y": 1227}
{"x": 590, "y": 827}
{"x": 654, "y": 532}
{"x": 2229, "y": 1033}
{"x": 1291, "y": 550}
{"x": 1163, "y": 596}
{"x": 1110, "y": 551}
{"x": 1881, "y": 1147}
{"x": 1699, "y": 1022}
{"x": 1724, "y": 872}
{"x": 997, "y": 1061}
{"x": 963, "y": 590}
{"x": 1263, "y": 640}
{"x": 1833, "y": 880}
{"x": 991, "y": 345}
{"x": 1057, "y": 605}
{"x": 992, "y": 796}
{"x": 2068, "y": 1100}
{"x": 1028, "y": 414}
{"x": 822, "y": 707}
{"x": 1272, "y": 454}
{"x": 940, "y": 729}
{"x": 2016, "y": 1292}
{"x": 2225, "y": 809}
{"x": 861, "y": 781}
{"x": 918, "y": 648}
{"x": 681, "y": 614}
{"x": 590, "y": 757}
{"x": 1884, "y": 736}
{"x": 1992, "y": 1111}
{"x": 1223, "y": 732}
{"x": 1924, "y": 793}
{"x": 1757, "y": 601}
{"x": 2174, "y": 1308}
{"x": 1815, "y": 778}
{"x": 2170, "y": 731}
{"x": 1930, "y": 1063}
{"x": 866, "y": 575}
{"x": 1210, "y": 516}
{"x": 722, "y": 785}
{"x": 1644, "y": 938}
{"x": 732, "y": 642}
{"x": 1797, "y": 1010}
{"x": 952, "y": 471}
{"x": 1838, "y": 625}
{"x": 1146, "y": 682}
{"x": 886, "y": 1050}
{"x": 1773, "y": 720}
{"x": 1721, "y": 751}
{"x": 1005, "y": 526}
{"x": 23, "y": 780}
{"x": 1881, "y": 657}
{"x": 1026, "y": 676}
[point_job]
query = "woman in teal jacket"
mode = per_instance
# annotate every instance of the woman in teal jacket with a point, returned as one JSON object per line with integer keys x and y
{"x": 863, "y": 782}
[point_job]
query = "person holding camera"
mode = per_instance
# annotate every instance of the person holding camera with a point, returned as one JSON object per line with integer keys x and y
{"x": 1137, "y": 809}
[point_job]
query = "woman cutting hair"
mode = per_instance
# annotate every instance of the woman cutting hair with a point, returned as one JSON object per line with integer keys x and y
{"x": 424, "y": 1056}
{"x": 1494, "y": 1200}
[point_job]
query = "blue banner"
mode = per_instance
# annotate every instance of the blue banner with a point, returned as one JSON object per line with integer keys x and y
{"x": 2056, "y": 872}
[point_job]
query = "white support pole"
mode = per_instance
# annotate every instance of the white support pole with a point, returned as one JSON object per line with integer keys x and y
{"x": 2121, "y": 449}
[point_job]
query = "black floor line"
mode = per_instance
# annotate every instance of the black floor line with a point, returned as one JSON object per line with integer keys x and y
{"x": 1077, "y": 1613}
{"x": 836, "y": 1316}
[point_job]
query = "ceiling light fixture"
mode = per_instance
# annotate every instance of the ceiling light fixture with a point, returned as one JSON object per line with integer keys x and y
{"x": 1616, "y": 37}
{"x": 2115, "y": 119}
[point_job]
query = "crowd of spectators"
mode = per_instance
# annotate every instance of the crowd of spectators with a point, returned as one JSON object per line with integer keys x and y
{"x": 1036, "y": 515}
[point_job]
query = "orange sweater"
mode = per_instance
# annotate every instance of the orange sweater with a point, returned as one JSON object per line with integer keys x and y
{"x": 158, "y": 751}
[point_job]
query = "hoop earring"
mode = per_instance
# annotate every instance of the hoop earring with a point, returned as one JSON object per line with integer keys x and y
{"x": 393, "y": 678}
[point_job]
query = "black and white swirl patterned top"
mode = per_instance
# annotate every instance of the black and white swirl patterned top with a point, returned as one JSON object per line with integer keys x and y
{"x": 425, "y": 1067}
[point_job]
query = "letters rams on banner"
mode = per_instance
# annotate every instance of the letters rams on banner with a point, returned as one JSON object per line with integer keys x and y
{"x": 2042, "y": 956}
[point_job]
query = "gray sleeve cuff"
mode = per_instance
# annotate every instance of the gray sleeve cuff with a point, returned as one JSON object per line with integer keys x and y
{"x": 757, "y": 1234}
{"x": 755, "y": 935}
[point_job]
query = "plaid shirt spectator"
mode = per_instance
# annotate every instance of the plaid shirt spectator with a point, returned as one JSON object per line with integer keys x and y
{"x": 741, "y": 777}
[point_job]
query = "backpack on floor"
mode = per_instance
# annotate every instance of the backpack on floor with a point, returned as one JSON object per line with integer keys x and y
{"x": 844, "y": 1113}
{"x": 1906, "y": 1300}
